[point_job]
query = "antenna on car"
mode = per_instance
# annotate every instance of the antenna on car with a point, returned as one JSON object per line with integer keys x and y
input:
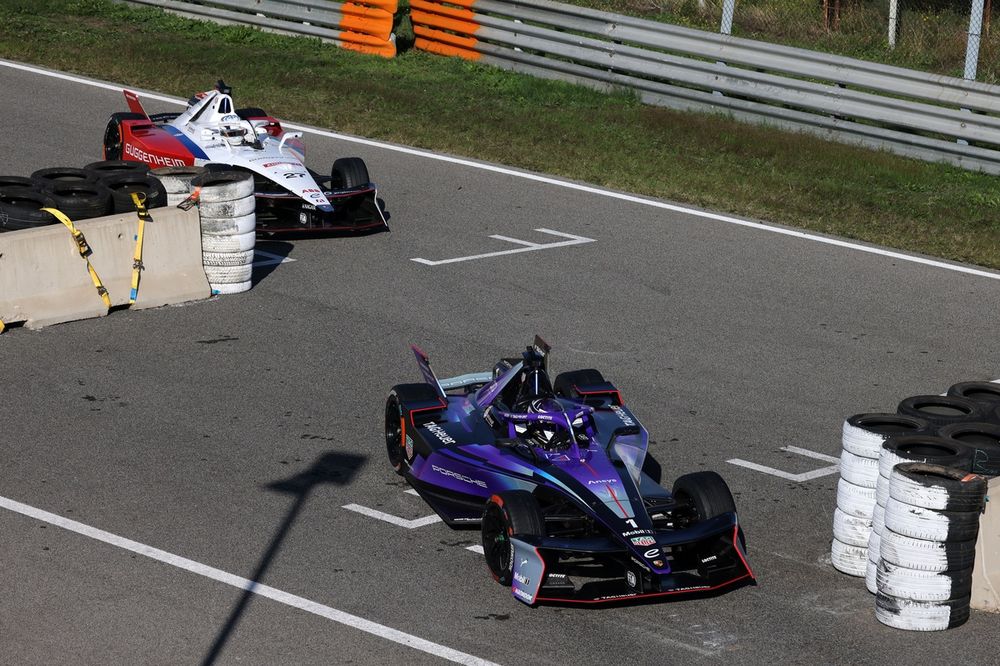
{"x": 221, "y": 86}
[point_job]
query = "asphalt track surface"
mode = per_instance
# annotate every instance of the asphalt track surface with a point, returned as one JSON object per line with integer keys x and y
{"x": 231, "y": 432}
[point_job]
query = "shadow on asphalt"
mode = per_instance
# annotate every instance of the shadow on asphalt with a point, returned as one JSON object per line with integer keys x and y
{"x": 333, "y": 468}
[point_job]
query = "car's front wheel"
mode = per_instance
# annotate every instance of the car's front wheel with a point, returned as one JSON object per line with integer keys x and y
{"x": 509, "y": 513}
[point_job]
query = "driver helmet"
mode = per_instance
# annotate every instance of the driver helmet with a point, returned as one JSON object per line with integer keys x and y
{"x": 548, "y": 436}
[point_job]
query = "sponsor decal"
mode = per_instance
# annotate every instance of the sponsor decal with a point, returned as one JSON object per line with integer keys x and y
{"x": 230, "y": 118}
{"x": 274, "y": 164}
{"x": 636, "y": 533}
{"x": 709, "y": 559}
{"x": 154, "y": 160}
{"x": 460, "y": 477}
{"x": 658, "y": 564}
{"x": 651, "y": 553}
{"x": 630, "y": 578}
{"x": 521, "y": 578}
{"x": 409, "y": 447}
{"x": 595, "y": 482}
{"x": 644, "y": 541}
{"x": 440, "y": 433}
{"x": 617, "y": 596}
{"x": 521, "y": 594}
{"x": 621, "y": 414}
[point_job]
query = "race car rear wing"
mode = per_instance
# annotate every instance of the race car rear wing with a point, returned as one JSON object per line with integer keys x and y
{"x": 425, "y": 369}
{"x": 134, "y": 105}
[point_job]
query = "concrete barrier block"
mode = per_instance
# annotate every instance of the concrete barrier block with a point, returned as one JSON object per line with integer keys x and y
{"x": 44, "y": 281}
{"x": 986, "y": 573}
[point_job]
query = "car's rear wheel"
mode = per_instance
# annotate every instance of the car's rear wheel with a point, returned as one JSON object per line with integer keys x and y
{"x": 348, "y": 172}
{"x": 396, "y": 447}
{"x": 113, "y": 139}
{"x": 509, "y": 513}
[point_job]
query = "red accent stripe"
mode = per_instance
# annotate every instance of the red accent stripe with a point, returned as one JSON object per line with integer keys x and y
{"x": 616, "y": 393}
{"x": 426, "y": 409}
{"x": 614, "y": 496}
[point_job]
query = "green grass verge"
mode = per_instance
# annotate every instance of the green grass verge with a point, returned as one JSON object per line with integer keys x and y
{"x": 462, "y": 108}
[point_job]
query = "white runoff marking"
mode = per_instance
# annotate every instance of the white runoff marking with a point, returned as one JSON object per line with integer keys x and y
{"x": 548, "y": 180}
{"x": 476, "y": 549}
{"x": 411, "y": 491}
{"x": 260, "y": 589}
{"x": 529, "y": 247}
{"x": 269, "y": 259}
{"x": 798, "y": 478}
{"x": 389, "y": 518}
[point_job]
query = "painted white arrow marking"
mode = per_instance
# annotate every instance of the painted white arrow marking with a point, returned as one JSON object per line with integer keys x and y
{"x": 528, "y": 247}
{"x": 270, "y": 259}
{"x": 395, "y": 520}
{"x": 798, "y": 478}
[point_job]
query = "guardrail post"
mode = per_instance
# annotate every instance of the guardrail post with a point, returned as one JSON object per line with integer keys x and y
{"x": 728, "y": 8}
{"x": 893, "y": 22}
{"x": 972, "y": 47}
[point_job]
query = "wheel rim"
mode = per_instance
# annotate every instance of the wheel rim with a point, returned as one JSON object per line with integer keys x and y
{"x": 112, "y": 142}
{"x": 394, "y": 435}
{"x": 496, "y": 544}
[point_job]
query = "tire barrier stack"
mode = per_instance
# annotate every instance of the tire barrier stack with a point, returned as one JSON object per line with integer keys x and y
{"x": 360, "y": 25}
{"x": 853, "y": 520}
{"x": 98, "y": 189}
{"x": 909, "y": 498}
{"x": 227, "y": 207}
{"x": 924, "y": 579}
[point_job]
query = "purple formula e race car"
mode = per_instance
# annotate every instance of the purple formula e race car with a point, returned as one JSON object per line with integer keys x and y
{"x": 557, "y": 478}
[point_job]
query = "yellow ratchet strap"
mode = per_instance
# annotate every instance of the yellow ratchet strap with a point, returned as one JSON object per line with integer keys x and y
{"x": 2, "y": 327}
{"x": 85, "y": 252}
{"x": 140, "y": 208}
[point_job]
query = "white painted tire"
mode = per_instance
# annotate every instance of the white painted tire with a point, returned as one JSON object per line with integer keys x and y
{"x": 851, "y": 530}
{"x": 858, "y": 470}
{"x": 237, "y": 208}
{"x": 177, "y": 180}
{"x": 925, "y": 555}
{"x": 931, "y": 525}
{"x": 223, "y": 185}
{"x": 228, "y": 274}
{"x": 228, "y": 226}
{"x": 920, "y": 616}
{"x": 861, "y": 442}
{"x": 855, "y": 500}
{"x": 864, "y": 434}
{"x": 232, "y": 287}
{"x": 878, "y": 519}
{"x": 227, "y": 258}
{"x": 174, "y": 200}
{"x": 874, "y": 546}
{"x": 871, "y": 577}
{"x": 918, "y": 585}
{"x": 231, "y": 243}
{"x": 848, "y": 559}
{"x": 882, "y": 491}
{"x": 937, "y": 487}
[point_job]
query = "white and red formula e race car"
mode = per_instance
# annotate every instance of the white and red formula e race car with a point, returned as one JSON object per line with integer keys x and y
{"x": 211, "y": 131}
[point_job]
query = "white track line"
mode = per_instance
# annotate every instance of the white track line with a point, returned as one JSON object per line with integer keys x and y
{"x": 395, "y": 520}
{"x": 968, "y": 270}
{"x": 275, "y": 594}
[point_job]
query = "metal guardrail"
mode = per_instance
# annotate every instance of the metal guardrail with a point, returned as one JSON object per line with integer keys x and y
{"x": 927, "y": 116}
{"x": 361, "y": 25}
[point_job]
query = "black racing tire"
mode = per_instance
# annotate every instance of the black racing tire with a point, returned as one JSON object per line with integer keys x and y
{"x": 348, "y": 172}
{"x": 941, "y": 409}
{"x": 80, "y": 201}
{"x": 20, "y": 208}
{"x": 45, "y": 179}
{"x": 122, "y": 185}
{"x": 987, "y": 393}
{"x": 113, "y": 134}
{"x": 508, "y": 513}
{"x": 17, "y": 181}
{"x": 105, "y": 168}
{"x": 251, "y": 112}
{"x": 706, "y": 493}
{"x": 400, "y": 398}
{"x": 566, "y": 382}
{"x": 984, "y": 438}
